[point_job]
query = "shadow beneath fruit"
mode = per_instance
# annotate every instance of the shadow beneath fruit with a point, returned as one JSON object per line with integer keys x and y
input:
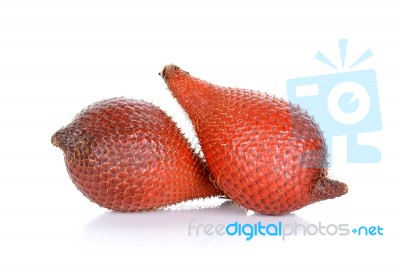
{"x": 179, "y": 226}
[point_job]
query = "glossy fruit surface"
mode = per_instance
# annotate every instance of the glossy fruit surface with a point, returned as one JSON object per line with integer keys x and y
{"x": 128, "y": 155}
{"x": 265, "y": 154}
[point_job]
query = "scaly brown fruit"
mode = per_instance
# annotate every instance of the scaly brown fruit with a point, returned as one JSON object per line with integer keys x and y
{"x": 265, "y": 154}
{"x": 128, "y": 155}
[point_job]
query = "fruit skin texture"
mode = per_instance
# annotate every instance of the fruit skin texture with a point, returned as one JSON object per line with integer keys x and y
{"x": 128, "y": 155}
{"x": 265, "y": 154}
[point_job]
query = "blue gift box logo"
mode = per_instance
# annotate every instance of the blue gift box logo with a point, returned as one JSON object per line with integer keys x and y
{"x": 345, "y": 103}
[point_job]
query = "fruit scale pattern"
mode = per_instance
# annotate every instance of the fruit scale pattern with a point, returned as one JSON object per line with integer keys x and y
{"x": 261, "y": 152}
{"x": 265, "y": 154}
{"x": 128, "y": 155}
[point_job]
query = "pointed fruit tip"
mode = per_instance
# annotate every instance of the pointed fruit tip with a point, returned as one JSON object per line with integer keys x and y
{"x": 54, "y": 140}
{"x": 328, "y": 189}
{"x": 58, "y": 139}
{"x": 170, "y": 71}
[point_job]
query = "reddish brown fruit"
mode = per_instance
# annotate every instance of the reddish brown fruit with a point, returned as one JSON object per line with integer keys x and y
{"x": 128, "y": 155}
{"x": 264, "y": 153}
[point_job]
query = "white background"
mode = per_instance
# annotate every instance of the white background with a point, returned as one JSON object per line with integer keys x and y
{"x": 56, "y": 57}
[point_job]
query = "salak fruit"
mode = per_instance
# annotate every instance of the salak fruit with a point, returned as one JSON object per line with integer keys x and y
{"x": 128, "y": 155}
{"x": 264, "y": 153}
